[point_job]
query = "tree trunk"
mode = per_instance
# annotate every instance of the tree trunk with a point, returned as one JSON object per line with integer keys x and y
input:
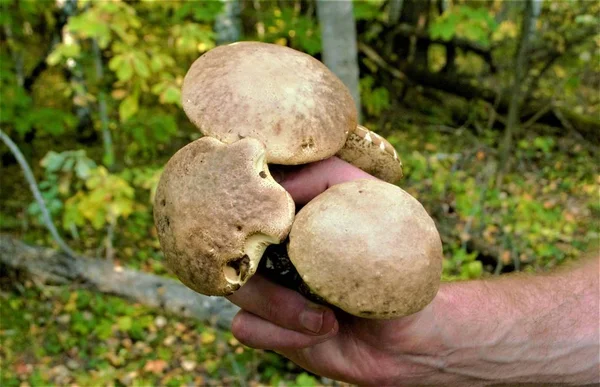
{"x": 416, "y": 14}
{"x": 47, "y": 266}
{"x": 394, "y": 11}
{"x": 228, "y": 24}
{"x": 520, "y": 68}
{"x": 109, "y": 152}
{"x": 338, "y": 33}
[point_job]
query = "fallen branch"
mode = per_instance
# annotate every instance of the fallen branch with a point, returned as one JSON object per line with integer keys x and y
{"x": 379, "y": 61}
{"x": 51, "y": 267}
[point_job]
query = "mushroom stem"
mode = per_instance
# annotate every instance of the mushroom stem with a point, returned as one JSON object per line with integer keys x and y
{"x": 277, "y": 266}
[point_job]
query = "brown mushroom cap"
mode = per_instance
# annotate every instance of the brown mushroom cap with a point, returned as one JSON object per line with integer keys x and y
{"x": 216, "y": 210}
{"x": 369, "y": 248}
{"x": 287, "y": 99}
{"x": 373, "y": 154}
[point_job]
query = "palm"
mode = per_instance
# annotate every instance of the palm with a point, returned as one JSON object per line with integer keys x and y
{"x": 363, "y": 350}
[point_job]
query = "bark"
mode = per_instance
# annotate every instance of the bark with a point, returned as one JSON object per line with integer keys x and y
{"x": 109, "y": 153}
{"x": 520, "y": 69}
{"x": 415, "y": 13}
{"x": 50, "y": 267}
{"x": 228, "y": 25}
{"x": 62, "y": 16}
{"x": 395, "y": 11}
{"x": 338, "y": 34}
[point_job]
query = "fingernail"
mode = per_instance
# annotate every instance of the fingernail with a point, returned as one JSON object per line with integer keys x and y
{"x": 311, "y": 318}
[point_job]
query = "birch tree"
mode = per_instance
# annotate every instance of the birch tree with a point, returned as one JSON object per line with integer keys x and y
{"x": 338, "y": 33}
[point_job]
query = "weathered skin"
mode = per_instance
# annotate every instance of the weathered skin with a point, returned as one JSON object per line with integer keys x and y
{"x": 369, "y": 248}
{"x": 287, "y": 99}
{"x": 373, "y": 154}
{"x": 216, "y": 209}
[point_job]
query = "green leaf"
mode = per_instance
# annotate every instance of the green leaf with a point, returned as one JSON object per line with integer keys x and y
{"x": 474, "y": 269}
{"x": 444, "y": 30}
{"x": 52, "y": 162}
{"x": 125, "y": 71}
{"x": 90, "y": 25}
{"x": 121, "y": 65}
{"x": 140, "y": 66}
{"x": 156, "y": 63}
{"x": 63, "y": 51}
{"x": 367, "y": 10}
{"x": 124, "y": 323}
{"x": 172, "y": 95}
{"x": 128, "y": 107}
{"x": 305, "y": 380}
{"x": 104, "y": 329}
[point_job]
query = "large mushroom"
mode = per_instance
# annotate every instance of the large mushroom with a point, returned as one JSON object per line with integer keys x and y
{"x": 288, "y": 100}
{"x": 216, "y": 210}
{"x": 369, "y": 248}
{"x": 217, "y": 207}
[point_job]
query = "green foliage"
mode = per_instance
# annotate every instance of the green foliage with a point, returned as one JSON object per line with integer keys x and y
{"x": 368, "y": 9}
{"x": 462, "y": 265}
{"x": 374, "y": 99}
{"x": 306, "y": 380}
{"x": 62, "y": 170}
{"x": 476, "y": 24}
{"x": 539, "y": 218}
{"x": 287, "y": 26}
{"x": 107, "y": 198}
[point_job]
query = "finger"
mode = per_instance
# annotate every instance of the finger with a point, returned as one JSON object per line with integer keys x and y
{"x": 283, "y": 307}
{"x": 259, "y": 333}
{"x": 310, "y": 180}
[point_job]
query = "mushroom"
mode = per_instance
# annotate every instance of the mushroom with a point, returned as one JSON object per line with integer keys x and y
{"x": 369, "y": 248}
{"x": 373, "y": 154}
{"x": 288, "y": 100}
{"x": 366, "y": 247}
{"x": 285, "y": 98}
{"x": 216, "y": 210}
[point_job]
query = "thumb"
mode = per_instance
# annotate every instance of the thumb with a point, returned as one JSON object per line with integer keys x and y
{"x": 306, "y": 182}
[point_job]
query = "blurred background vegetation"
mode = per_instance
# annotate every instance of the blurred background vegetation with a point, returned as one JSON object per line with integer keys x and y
{"x": 493, "y": 106}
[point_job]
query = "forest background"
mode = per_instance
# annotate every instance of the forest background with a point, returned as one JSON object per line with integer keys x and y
{"x": 492, "y": 105}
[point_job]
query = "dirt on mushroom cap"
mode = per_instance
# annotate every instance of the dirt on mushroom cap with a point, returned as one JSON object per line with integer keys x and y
{"x": 369, "y": 248}
{"x": 216, "y": 209}
{"x": 285, "y": 98}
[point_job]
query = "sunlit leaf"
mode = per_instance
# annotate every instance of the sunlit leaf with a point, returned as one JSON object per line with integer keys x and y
{"x": 128, "y": 107}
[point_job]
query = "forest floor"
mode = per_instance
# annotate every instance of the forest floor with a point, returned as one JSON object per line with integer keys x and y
{"x": 67, "y": 336}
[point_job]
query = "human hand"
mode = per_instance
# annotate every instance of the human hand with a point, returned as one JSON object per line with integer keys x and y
{"x": 511, "y": 330}
{"x": 332, "y": 344}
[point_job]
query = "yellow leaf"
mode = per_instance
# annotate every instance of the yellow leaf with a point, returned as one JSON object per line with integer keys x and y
{"x": 207, "y": 337}
{"x": 119, "y": 94}
{"x": 155, "y": 366}
{"x": 72, "y": 303}
{"x": 560, "y": 71}
{"x": 430, "y": 147}
{"x": 506, "y": 29}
